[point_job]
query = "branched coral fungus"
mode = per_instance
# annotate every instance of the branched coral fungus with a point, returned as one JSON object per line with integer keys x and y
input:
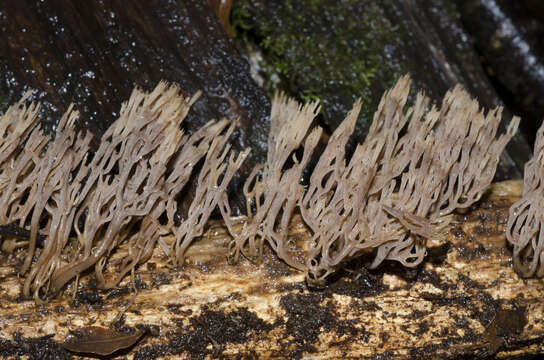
{"x": 213, "y": 180}
{"x": 59, "y": 188}
{"x": 525, "y": 228}
{"x": 414, "y": 167}
{"x": 275, "y": 193}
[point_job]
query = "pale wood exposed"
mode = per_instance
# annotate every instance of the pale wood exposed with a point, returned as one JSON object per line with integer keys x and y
{"x": 466, "y": 300}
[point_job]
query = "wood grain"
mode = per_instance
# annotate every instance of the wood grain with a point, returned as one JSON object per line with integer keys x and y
{"x": 464, "y": 301}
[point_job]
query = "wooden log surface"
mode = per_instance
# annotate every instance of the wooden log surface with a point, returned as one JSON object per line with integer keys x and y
{"x": 464, "y": 301}
{"x": 94, "y": 53}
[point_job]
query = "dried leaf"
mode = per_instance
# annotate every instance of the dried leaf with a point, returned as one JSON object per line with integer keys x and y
{"x": 99, "y": 341}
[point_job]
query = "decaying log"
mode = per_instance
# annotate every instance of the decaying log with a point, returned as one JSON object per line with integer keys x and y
{"x": 465, "y": 301}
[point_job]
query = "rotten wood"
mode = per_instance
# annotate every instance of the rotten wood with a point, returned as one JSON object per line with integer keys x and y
{"x": 464, "y": 301}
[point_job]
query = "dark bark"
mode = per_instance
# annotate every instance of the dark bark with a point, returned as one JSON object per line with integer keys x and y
{"x": 509, "y": 36}
{"x": 93, "y": 53}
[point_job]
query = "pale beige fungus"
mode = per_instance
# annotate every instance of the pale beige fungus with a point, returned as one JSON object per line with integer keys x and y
{"x": 416, "y": 165}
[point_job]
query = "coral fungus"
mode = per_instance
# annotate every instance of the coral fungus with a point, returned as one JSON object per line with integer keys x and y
{"x": 414, "y": 167}
{"x": 525, "y": 223}
{"x": 144, "y": 160}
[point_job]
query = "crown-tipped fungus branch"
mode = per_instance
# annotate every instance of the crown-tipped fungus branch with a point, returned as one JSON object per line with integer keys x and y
{"x": 525, "y": 229}
{"x": 56, "y": 192}
{"x": 212, "y": 186}
{"x": 134, "y": 154}
{"x": 276, "y": 192}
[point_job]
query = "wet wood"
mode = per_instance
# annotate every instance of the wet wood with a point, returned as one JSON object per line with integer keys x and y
{"x": 93, "y": 54}
{"x": 465, "y": 301}
{"x": 508, "y": 37}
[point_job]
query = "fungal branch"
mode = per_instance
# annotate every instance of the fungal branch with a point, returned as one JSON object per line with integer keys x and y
{"x": 525, "y": 223}
{"x": 274, "y": 194}
{"x": 19, "y": 161}
{"x": 213, "y": 180}
{"x": 134, "y": 153}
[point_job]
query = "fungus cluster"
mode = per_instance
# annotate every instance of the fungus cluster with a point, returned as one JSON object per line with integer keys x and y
{"x": 416, "y": 165}
{"x": 58, "y": 188}
{"x": 525, "y": 228}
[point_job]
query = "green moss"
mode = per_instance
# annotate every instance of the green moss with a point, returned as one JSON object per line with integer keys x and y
{"x": 335, "y": 51}
{"x": 240, "y": 20}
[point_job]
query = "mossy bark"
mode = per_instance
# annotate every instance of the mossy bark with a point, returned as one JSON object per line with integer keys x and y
{"x": 337, "y": 51}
